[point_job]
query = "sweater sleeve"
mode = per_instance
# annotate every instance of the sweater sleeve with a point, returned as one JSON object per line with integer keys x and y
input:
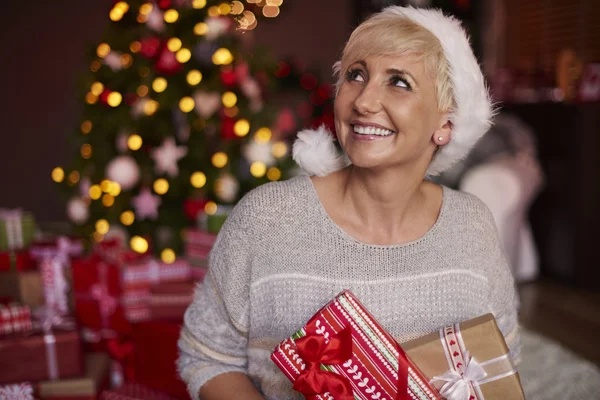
{"x": 503, "y": 297}
{"x": 214, "y": 337}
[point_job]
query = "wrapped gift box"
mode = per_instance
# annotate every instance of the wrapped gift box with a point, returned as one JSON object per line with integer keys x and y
{"x": 37, "y": 357}
{"x": 343, "y": 351}
{"x": 14, "y": 318}
{"x": 170, "y": 300}
{"x": 19, "y": 278}
{"x": 476, "y": 345}
{"x": 87, "y": 387}
{"x": 133, "y": 391}
{"x": 148, "y": 355}
{"x": 198, "y": 245}
{"x": 17, "y": 229}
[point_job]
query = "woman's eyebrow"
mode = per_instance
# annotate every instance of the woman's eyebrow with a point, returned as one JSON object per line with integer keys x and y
{"x": 394, "y": 71}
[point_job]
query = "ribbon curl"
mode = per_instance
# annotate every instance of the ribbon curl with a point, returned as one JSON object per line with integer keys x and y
{"x": 316, "y": 349}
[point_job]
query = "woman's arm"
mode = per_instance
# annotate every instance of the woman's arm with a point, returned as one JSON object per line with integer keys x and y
{"x": 230, "y": 385}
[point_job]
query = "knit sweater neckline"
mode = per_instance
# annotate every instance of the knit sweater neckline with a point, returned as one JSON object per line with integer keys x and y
{"x": 314, "y": 196}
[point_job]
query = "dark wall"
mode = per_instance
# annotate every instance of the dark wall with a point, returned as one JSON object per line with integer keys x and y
{"x": 43, "y": 46}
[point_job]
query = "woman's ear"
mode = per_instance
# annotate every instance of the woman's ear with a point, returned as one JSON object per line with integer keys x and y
{"x": 443, "y": 133}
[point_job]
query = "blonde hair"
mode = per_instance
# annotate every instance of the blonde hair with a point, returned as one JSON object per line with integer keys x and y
{"x": 389, "y": 34}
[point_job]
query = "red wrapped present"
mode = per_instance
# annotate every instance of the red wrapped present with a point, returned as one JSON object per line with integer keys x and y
{"x": 40, "y": 356}
{"x": 148, "y": 355}
{"x": 170, "y": 300}
{"x": 133, "y": 391}
{"x": 14, "y": 318}
{"x": 19, "y": 279}
{"x": 198, "y": 245}
{"x": 343, "y": 353}
{"x": 87, "y": 387}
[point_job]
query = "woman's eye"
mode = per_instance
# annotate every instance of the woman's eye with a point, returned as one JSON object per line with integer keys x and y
{"x": 355, "y": 75}
{"x": 399, "y": 82}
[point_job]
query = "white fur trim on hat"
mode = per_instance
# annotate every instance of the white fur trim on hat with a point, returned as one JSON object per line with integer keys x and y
{"x": 315, "y": 152}
{"x": 471, "y": 116}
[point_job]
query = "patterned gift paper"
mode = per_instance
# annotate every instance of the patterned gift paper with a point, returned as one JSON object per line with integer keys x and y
{"x": 373, "y": 369}
{"x": 14, "y": 318}
{"x": 17, "y": 391}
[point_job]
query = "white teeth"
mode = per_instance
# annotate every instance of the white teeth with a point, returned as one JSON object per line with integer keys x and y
{"x": 369, "y": 130}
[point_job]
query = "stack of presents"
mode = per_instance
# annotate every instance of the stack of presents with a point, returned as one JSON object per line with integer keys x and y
{"x": 104, "y": 324}
{"x": 97, "y": 323}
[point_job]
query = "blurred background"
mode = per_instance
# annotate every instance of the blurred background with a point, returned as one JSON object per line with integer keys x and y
{"x": 138, "y": 121}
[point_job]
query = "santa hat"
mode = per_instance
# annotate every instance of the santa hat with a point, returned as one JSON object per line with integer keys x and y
{"x": 315, "y": 152}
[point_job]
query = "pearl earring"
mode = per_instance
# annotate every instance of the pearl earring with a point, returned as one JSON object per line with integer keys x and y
{"x": 440, "y": 139}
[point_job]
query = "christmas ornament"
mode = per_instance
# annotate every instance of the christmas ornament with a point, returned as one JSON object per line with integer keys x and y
{"x": 113, "y": 60}
{"x": 123, "y": 170}
{"x": 227, "y": 131}
{"x": 286, "y": 121}
{"x": 146, "y": 205}
{"x": 166, "y": 157}
{"x": 77, "y": 210}
{"x": 207, "y": 103}
{"x": 217, "y": 26}
{"x": 156, "y": 20}
{"x": 259, "y": 152}
{"x": 149, "y": 46}
{"x": 193, "y": 206}
{"x": 228, "y": 76}
{"x": 227, "y": 188}
{"x": 167, "y": 63}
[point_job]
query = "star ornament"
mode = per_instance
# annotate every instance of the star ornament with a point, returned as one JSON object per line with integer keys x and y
{"x": 166, "y": 157}
{"x": 146, "y": 205}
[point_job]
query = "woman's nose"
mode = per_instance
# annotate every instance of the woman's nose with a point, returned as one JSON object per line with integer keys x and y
{"x": 368, "y": 100}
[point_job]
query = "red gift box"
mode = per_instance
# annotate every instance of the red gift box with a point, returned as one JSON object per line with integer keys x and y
{"x": 170, "y": 300}
{"x": 14, "y": 318}
{"x": 198, "y": 245}
{"x": 19, "y": 261}
{"x": 38, "y": 356}
{"x": 133, "y": 391}
{"x": 343, "y": 352}
{"x": 148, "y": 355}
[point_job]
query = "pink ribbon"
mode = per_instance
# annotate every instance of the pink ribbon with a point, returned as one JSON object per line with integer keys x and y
{"x": 106, "y": 302}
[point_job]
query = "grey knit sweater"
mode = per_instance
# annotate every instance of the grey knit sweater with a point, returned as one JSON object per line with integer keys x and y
{"x": 279, "y": 258}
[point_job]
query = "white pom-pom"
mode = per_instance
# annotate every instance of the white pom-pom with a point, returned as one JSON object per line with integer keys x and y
{"x": 315, "y": 151}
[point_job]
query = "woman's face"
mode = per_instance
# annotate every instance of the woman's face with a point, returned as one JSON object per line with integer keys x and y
{"x": 386, "y": 112}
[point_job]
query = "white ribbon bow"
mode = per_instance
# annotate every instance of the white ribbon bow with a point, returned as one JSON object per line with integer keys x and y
{"x": 457, "y": 385}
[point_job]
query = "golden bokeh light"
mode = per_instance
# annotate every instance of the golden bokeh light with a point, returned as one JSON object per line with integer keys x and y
{"x": 270, "y": 11}
{"x": 97, "y": 88}
{"x": 91, "y": 98}
{"x": 171, "y": 16}
{"x": 108, "y": 200}
{"x": 115, "y": 189}
{"x": 241, "y": 127}
{"x": 138, "y": 244}
{"x": 213, "y": 11}
{"x": 222, "y": 57}
{"x": 174, "y": 44}
{"x": 146, "y": 8}
{"x": 159, "y": 84}
{"x": 167, "y": 256}
{"x": 105, "y": 185}
{"x": 229, "y": 99}
{"x": 210, "y": 208}
{"x": 126, "y": 60}
{"x": 115, "y": 14}
{"x": 74, "y": 177}
{"x": 231, "y": 112}
{"x": 98, "y": 237}
{"x": 58, "y": 174}
{"x": 277, "y": 3}
{"x": 263, "y": 135}
{"x": 141, "y": 18}
{"x": 114, "y": 99}
{"x": 224, "y": 9}
{"x": 150, "y": 107}
{"x": 134, "y": 47}
{"x": 102, "y": 226}
{"x": 127, "y": 217}
{"x": 186, "y": 104}
{"x": 273, "y": 174}
{"x": 200, "y": 28}
{"x": 102, "y": 50}
{"x": 161, "y": 186}
{"x": 194, "y": 77}
{"x": 198, "y": 179}
{"x": 95, "y": 192}
{"x": 183, "y": 55}
{"x": 95, "y": 65}
{"x": 279, "y": 149}
{"x": 142, "y": 90}
{"x": 86, "y": 150}
{"x": 219, "y": 159}
{"x": 258, "y": 169}
{"x": 134, "y": 142}
{"x": 198, "y": 4}
{"x": 86, "y": 126}
{"x": 237, "y": 7}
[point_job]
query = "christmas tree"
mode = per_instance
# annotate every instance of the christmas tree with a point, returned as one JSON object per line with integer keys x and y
{"x": 181, "y": 116}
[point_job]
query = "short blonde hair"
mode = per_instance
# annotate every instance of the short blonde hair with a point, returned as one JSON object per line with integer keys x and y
{"x": 389, "y": 34}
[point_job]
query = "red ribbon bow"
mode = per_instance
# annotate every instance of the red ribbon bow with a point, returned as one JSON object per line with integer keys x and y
{"x": 315, "y": 350}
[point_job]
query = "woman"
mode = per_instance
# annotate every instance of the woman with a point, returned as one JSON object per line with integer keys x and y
{"x": 410, "y": 101}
